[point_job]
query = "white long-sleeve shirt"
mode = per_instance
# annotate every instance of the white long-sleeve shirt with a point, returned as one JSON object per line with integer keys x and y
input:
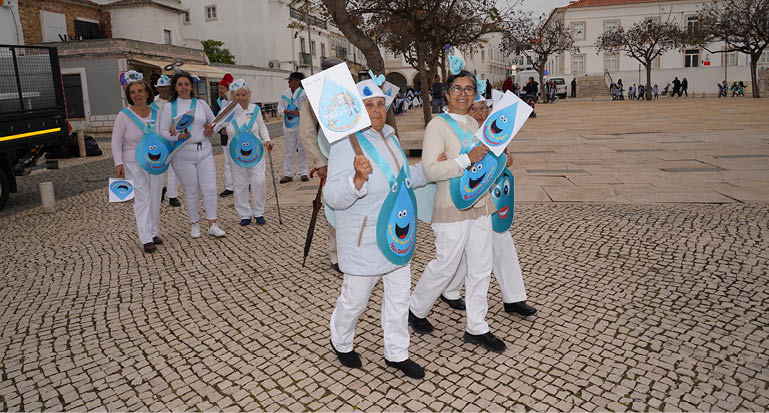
{"x": 259, "y": 129}
{"x": 203, "y": 115}
{"x": 126, "y": 136}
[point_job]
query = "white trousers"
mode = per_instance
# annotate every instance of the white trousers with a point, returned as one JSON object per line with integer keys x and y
{"x": 332, "y": 244}
{"x": 506, "y": 268}
{"x": 194, "y": 165}
{"x": 242, "y": 178}
{"x": 147, "y": 191}
{"x": 356, "y": 291}
{"x": 452, "y": 241}
{"x": 173, "y": 184}
{"x": 292, "y": 143}
{"x": 228, "y": 182}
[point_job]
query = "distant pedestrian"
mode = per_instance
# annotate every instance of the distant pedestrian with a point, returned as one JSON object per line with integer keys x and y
{"x": 676, "y": 87}
{"x": 290, "y": 105}
{"x": 574, "y": 87}
{"x": 741, "y": 89}
{"x": 656, "y": 91}
{"x": 620, "y": 90}
{"x": 436, "y": 92}
{"x": 507, "y": 84}
{"x": 641, "y": 92}
{"x": 684, "y": 87}
{"x": 734, "y": 89}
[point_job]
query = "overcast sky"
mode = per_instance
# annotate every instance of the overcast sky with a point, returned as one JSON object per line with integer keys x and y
{"x": 537, "y": 6}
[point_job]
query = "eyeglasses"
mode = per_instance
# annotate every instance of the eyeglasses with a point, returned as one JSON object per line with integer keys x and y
{"x": 468, "y": 90}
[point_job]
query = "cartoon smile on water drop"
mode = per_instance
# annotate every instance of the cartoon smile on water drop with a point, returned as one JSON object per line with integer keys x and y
{"x": 478, "y": 176}
{"x": 245, "y": 149}
{"x": 153, "y": 154}
{"x": 503, "y": 196}
{"x": 498, "y": 128}
{"x": 121, "y": 188}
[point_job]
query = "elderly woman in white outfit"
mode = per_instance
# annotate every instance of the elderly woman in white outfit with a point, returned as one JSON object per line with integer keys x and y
{"x": 457, "y": 232}
{"x": 505, "y": 264}
{"x": 246, "y": 169}
{"x": 126, "y": 135}
{"x": 194, "y": 162}
{"x": 370, "y": 188}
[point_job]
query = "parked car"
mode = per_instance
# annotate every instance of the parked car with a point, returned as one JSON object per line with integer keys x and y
{"x": 560, "y": 86}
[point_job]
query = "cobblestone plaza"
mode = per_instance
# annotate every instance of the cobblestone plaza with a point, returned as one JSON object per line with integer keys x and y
{"x": 643, "y": 234}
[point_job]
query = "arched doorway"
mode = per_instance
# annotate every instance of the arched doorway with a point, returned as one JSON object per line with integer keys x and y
{"x": 397, "y": 79}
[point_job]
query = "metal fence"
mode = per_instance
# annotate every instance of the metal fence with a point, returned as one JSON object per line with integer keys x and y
{"x": 27, "y": 82}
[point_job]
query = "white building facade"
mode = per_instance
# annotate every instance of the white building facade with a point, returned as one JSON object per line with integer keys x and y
{"x": 587, "y": 19}
{"x": 268, "y": 33}
{"x": 10, "y": 23}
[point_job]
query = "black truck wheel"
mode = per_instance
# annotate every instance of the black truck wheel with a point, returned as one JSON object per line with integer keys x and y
{"x": 5, "y": 188}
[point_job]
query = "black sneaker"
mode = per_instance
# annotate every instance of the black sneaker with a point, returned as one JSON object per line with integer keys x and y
{"x": 157, "y": 240}
{"x": 487, "y": 340}
{"x": 225, "y": 193}
{"x": 336, "y": 268}
{"x": 163, "y": 194}
{"x": 174, "y": 202}
{"x": 420, "y": 325}
{"x": 350, "y": 359}
{"x": 520, "y": 308}
{"x": 408, "y": 367}
{"x": 458, "y": 304}
{"x": 286, "y": 179}
{"x": 304, "y": 178}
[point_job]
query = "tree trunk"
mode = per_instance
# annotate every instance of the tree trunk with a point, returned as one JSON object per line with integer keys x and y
{"x": 754, "y": 75}
{"x": 355, "y": 35}
{"x": 542, "y": 85}
{"x": 366, "y": 44}
{"x": 426, "y": 106}
{"x": 648, "y": 91}
{"x": 442, "y": 64}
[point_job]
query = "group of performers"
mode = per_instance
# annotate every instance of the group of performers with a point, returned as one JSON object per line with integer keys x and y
{"x": 370, "y": 187}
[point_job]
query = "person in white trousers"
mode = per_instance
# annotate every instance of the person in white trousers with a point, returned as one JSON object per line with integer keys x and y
{"x": 126, "y": 135}
{"x": 194, "y": 162}
{"x": 358, "y": 191}
{"x": 505, "y": 265}
{"x": 457, "y": 232}
{"x": 223, "y": 101}
{"x": 308, "y": 134}
{"x": 164, "y": 92}
{"x": 290, "y": 105}
{"x": 253, "y": 176}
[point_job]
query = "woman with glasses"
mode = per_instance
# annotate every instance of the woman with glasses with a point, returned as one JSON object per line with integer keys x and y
{"x": 457, "y": 232}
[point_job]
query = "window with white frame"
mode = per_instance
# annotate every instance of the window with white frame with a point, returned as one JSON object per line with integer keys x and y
{"x": 611, "y": 61}
{"x": 322, "y": 50}
{"x": 312, "y": 47}
{"x": 578, "y": 63}
{"x": 730, "y": 59}
{"x": 578, "y": 30}
{"x": 302, "y": 46}
{"x": 186, "y": 17}
{"x": 764, "y": 57}
{"x": 610, "y": 25}
{"x": 692, "y": 58}
{"x": 692, "y": 24}
{"x": 167, "y": 36}
{"x": 483, "y": 56}
{"x": 210, "y": 12}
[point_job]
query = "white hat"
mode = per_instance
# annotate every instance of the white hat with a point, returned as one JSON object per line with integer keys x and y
{"x": 369, "y": 90}
{"x": 163, "y": 80}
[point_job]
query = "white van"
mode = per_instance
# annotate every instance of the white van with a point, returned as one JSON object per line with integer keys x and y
{"x": 560, "y": 86}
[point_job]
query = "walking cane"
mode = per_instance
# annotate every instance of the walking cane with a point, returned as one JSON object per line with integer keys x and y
{"x": 275, "y": 186}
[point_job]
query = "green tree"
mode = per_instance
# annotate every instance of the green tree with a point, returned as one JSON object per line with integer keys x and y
{"x": 216, "y": 52}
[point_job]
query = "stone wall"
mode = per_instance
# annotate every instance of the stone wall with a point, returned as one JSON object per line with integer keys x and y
{"x": 589, "y": 86}
{"x": 29, "y": 13}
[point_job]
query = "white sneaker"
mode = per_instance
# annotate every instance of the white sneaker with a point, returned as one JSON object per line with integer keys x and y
{"x": 195, "y": 230}
{"x": 215, "y": 231}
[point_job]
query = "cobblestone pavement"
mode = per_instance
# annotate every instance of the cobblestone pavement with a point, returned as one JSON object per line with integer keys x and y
{"x": 642, "y": 306}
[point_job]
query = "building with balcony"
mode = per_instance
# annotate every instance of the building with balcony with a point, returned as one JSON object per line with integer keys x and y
{"x": 589, "y": 18}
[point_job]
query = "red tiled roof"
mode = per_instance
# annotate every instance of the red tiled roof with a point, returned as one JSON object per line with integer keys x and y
{"x": 596, "y": 3}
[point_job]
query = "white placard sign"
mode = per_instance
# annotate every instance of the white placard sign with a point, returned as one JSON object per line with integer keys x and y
{"x": 336, "y": 102}
{"x": 503, "y": 123}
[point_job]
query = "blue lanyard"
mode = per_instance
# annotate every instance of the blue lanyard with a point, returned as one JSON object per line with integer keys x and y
{"x": 250, "y": 123}
{"x": 293, "y": 99}
{"x": 193, "y": 106}
{"x": 465, "y": 137}
{"x": 379, "y": 160}
{"x": 145, "y": 127}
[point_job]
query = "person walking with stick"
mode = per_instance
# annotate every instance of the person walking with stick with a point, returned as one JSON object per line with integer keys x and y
{"x": 249, "y": 139}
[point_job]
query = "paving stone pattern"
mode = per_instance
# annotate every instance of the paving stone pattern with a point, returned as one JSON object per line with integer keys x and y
{"x": 641, "y": 307}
